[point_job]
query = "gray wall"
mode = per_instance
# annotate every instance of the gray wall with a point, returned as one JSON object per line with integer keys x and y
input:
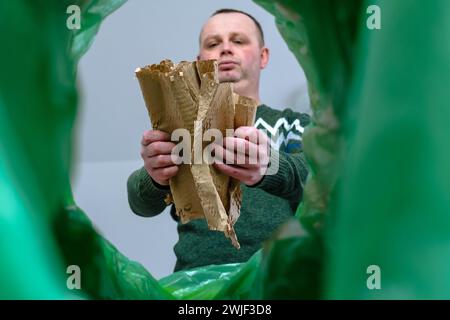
{"x": 113, "y": 116}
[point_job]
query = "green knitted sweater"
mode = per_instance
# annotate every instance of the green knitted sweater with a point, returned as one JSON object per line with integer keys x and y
{"x": 264, "y": 206}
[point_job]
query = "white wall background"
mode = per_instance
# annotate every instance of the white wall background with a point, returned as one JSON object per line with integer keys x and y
{"x": 113, "y": 116}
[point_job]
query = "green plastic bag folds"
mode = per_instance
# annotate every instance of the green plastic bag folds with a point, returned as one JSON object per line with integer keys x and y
{"x": 42, "y": 232}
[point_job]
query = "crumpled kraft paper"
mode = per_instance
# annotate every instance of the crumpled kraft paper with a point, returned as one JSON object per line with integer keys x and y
{"x": 188, "y": 95}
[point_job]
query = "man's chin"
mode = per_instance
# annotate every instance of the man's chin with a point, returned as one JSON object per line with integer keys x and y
{"x": 228, "y": 78}
{"x": 231, "y": 75}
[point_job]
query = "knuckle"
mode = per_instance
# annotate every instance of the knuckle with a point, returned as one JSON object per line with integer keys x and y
{"x": 159, "y": 160}
{"x": 147, "y": 135}
{"x": 156, "y": 147}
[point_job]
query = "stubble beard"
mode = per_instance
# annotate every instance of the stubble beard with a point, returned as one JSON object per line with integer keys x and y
{"x": 232, "y": 77}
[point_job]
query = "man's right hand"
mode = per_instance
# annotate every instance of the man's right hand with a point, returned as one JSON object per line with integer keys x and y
{"x": 156, "y": 149}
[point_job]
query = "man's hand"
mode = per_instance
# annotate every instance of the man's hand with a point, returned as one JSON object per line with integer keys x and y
{"x": 244, "y": 156}
{"x": 156, "y": 151}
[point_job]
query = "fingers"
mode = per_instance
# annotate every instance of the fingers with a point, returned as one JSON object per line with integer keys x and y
{"x": 258, "y": 142}
{"x": 156, "y": 152}
{"x": 249, "y": 177}
{"x": 246, "y": 152}
{"x": 150, "y": 136}
{"x": 251, "y": 134}
{"x": 157, "y": 148}
{"x": 161, "y": 161}
{"x": 222, "y": 155}
{"x": 240, "y": 145}
{"x": 163, "y": 175}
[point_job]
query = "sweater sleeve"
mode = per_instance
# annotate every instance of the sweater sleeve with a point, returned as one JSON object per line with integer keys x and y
{"x": 288, "y": 181}
{"x": 145, "y": 196}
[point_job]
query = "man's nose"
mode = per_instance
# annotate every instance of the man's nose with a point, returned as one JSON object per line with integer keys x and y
{"x": 226, "y": 49}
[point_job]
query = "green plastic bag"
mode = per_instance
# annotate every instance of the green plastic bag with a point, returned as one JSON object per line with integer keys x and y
{"x": 106, "y": 273}
{"x": 41, "y": 230}
{"x": 392, "y": 211}
{"x": 322, "y": 36}
{"x": 378, "y": 187}
{"x": 201, "y": 283}
{"x": 37, "y": 108}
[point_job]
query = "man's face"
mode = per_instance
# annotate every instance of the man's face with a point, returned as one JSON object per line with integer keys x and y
{"x": 233, "y": 39}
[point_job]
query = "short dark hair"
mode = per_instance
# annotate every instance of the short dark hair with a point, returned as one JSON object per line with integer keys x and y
{"x": 258, "y": 26}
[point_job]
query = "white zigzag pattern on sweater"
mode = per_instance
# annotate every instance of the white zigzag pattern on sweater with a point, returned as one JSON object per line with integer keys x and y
{"x": 261, "y": 124}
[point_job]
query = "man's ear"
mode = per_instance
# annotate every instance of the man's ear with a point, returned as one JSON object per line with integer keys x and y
{"x": 198, "y": 57}
{"x": 264, "y": 57}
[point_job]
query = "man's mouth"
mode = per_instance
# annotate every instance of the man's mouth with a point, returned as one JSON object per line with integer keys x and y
{"x": 227, "y": 65}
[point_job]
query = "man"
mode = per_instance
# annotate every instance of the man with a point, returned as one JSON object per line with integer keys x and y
{"x": 236, "y": 40}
